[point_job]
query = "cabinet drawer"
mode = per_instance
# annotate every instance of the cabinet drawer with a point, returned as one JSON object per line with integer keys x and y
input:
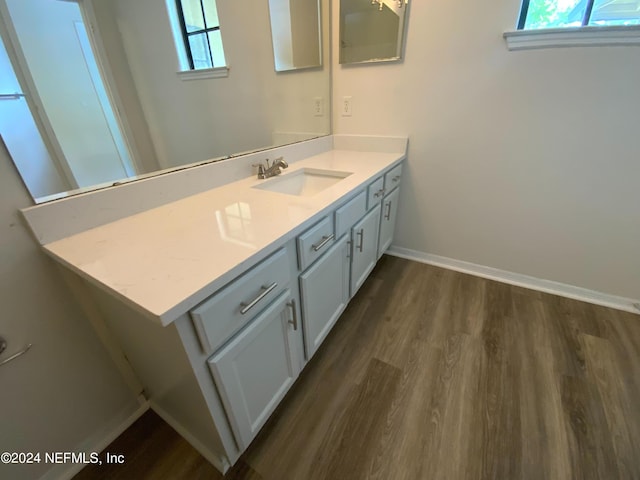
{"x": 375, "y": 192}
{"x": 392, "y": 178}
{"x": 350, "y": 213}
{"x": 314, "y": 242}
{"x": 227, "y": 311}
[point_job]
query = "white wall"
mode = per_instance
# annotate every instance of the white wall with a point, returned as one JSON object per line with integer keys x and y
{"x": 65, "y": 393}
{"x": 522, "y": 161}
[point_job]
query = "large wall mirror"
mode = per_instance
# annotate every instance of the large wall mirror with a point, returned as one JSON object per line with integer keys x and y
{"x": 372, "y": 30}
{"x": 92, "y": 92}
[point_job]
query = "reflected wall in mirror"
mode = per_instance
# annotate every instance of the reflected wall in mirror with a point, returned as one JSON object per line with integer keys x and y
{"x": 296, "y": 34}
{"x": 372, "y": 30}
{"x": 103, "y": 79}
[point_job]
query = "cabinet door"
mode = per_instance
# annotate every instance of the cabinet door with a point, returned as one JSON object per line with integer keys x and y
{"x": 388, "y": 220}
{"x": 364, "y": 236}
{"x": 255, "y": 370}
{"x": 324, "y": 293}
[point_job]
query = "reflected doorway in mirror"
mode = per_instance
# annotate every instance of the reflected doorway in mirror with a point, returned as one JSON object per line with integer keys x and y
{"x": 49, "y": 52}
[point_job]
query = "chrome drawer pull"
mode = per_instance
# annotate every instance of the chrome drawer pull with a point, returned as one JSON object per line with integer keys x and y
{"x": 11, "y": 96}
{"x": 16, "y": 355}
{"x": 387, "y": 216}
{"x": 293, "y": 322}
{"x": 324, "y": 241}
{"x": 396, "y": 178}
{"x": 266, "y": 290}
{"x": 379, "y": 193}
{"x": 361, "y": 234}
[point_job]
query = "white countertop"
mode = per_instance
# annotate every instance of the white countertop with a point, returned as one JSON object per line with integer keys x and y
{"x": 166, "y": 260}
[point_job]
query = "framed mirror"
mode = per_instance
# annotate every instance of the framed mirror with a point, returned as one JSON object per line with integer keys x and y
{"x": 113, "y": 96}
{"x": 372, "y": 30}
{"x": 296, "y": 34}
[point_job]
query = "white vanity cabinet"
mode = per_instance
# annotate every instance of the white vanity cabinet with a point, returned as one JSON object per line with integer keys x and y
{"x": 364, "y": 237}
{"x": 212, "y": 325}
{"x": 388, "y": 217}
{"x": 365, "y": 226}
{"x": 386, "y": 188}
{"x": 324, "y": 294}
{"x": 227, "y": 311}
{"x": 256, "y": 368}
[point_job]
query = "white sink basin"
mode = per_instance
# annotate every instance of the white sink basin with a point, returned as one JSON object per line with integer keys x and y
{"x": 304, "y": 182}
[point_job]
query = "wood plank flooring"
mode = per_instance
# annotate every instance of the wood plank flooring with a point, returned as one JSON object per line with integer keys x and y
{"x": 433, "y": 374}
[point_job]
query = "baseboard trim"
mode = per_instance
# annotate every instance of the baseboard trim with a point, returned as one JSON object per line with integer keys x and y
{"x": 520, "y": 280}
{"x": 96, "y": 443}
{"x": 220, "y": 463}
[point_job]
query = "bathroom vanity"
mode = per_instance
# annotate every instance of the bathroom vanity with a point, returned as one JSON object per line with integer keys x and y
{"x": 219, "y": 299}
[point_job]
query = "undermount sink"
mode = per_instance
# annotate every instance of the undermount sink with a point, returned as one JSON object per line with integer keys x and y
{"x": 304, "y": 182}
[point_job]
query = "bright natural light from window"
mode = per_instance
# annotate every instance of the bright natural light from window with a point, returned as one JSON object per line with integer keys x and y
{"x": 201, "y": 33}
{"x": 537, "y": 14}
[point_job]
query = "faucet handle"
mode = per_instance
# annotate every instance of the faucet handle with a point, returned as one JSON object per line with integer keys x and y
{"x": 260, "y": 169}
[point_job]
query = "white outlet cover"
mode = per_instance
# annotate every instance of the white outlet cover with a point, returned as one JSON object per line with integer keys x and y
{"x": 347, "y": 106}
{"x": 318, "y": 107}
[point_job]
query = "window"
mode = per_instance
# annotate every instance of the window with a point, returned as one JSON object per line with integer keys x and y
{"x": 201, "y": 33}
{"x": 537, "y": 14}
{"x": 576, "y": 23}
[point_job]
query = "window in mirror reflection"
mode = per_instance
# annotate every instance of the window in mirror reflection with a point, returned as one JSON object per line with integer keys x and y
{"x": 235, "y": 224}
{"x": 201, "y": 31}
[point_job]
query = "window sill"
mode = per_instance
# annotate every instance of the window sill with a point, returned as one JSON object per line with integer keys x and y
{"x": 218, "y": 72}
{"x": 573, "y": 37}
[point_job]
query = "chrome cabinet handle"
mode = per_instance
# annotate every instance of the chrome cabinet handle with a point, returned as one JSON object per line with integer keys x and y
{"x": 15, "y": 355}
{"x": 294, "y": 321}
{"x": 325, "y": 240}
{"x": 265, "y": 291}
{"x": 387, "y": 215}
{"x": 361, "y": 234}
{"x": 11, "y": 96}
{"x": 379, "y": 193}
{"x": 396, "y": 178}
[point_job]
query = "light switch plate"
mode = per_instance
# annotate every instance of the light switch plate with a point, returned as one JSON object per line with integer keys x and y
{"x": 318, "y": 107}
{"x": 347, "y": 108}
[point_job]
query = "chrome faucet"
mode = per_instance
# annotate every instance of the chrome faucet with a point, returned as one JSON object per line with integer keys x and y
{"x": 271, "y": 170}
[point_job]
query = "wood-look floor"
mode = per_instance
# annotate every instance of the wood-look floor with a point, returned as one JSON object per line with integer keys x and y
{"x": 433, "y": 374}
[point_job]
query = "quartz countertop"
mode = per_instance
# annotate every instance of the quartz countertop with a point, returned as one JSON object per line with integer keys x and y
{"x": 166, "y": 260}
